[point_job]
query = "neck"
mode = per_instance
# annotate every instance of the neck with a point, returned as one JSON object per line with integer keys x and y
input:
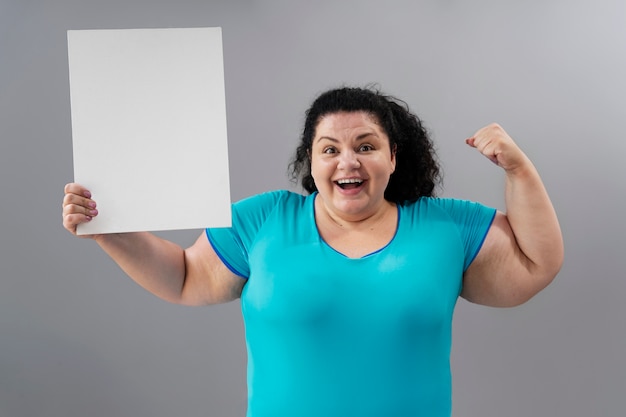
{"x": 362, "y": 221}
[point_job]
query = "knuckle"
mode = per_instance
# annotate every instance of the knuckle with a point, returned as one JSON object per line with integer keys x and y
{"x": 72, "y": 188}
{"x": 73, "y": 209}
{"x": 67, "y": 222}
{"x": 67, "y": 199}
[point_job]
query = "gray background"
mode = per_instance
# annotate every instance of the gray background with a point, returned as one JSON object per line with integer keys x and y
{"x": 79, "y": 338}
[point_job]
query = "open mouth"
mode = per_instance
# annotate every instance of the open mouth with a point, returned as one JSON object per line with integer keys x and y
{"x": 349, "y": 184}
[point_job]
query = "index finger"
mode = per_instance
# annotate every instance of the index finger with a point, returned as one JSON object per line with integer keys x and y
{"x": 75, "y": 188}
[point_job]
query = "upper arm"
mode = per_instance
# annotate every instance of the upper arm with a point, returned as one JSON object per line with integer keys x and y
{"x": 500, "y": 275}
{"x": 207, "y": 279}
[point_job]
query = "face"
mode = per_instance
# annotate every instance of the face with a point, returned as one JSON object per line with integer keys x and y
{"x": 351, "y": 162}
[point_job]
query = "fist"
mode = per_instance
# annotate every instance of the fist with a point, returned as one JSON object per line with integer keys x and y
{"x": 78, "y": 207}
{"x": 495, "y": 144}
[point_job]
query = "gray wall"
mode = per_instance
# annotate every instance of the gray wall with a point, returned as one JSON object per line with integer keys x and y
{"x": 79, "y": 338}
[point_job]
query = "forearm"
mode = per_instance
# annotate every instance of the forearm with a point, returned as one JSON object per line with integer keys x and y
{"x": 155, "y": 264}
{"x": 533, "y": 221}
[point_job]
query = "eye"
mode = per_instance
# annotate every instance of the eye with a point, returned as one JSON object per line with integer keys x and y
{"x": 329, "y": 150}
{"x": 366, "y": 148}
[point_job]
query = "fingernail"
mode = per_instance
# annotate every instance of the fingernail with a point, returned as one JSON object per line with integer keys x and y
{"x": 89, "y": 218}
{"x": 92, "y": 204}
{"x": 93, "y": 212}
{"x": 87, "y": 194}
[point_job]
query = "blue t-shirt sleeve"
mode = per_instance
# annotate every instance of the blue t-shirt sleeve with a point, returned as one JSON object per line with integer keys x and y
{"x": 473, "y": 221}
{"x": 233, "y": 243}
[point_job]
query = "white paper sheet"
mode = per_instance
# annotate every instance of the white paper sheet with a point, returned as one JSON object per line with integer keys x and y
{"x": 149, "y": 127}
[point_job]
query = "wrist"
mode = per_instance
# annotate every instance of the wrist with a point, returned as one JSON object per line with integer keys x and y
{"x": 524, "y": 168}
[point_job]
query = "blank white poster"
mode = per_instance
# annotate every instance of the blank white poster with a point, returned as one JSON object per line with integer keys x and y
{"x": 149, "y": 127}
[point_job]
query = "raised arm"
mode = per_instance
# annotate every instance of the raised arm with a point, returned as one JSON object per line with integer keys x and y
{"x": 192, "y": 276}
{"x": 523, "y": 250}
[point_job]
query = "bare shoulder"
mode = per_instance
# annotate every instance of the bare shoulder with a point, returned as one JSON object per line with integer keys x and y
{"x": 208, "y": 280}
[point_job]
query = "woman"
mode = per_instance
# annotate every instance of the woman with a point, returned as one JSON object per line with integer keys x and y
{"x": 347, "y": 293}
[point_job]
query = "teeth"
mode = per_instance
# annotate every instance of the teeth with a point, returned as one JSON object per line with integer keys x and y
{"x": 350, "y": 181}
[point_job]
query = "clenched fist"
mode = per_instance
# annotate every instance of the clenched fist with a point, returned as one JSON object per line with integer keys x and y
{"x": 495, "y": 144}
{"x": 78, "y": 207}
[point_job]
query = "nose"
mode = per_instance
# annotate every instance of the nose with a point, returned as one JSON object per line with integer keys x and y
{"x": 348, "y": 160}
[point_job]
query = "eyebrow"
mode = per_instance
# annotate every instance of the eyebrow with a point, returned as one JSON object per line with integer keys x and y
{"x": 360, "y": 137}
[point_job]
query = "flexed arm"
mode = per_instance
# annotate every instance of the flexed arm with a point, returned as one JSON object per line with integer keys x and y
{"x": 523, "y": 250}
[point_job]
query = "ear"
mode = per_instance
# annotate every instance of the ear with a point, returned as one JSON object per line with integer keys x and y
{"x": 394, "y": 148}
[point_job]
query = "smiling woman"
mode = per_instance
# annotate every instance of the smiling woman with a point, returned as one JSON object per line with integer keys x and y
{"x": 351, "y": 163}
{"x": 348, "y": 292}
{"x": 417, "y": 171}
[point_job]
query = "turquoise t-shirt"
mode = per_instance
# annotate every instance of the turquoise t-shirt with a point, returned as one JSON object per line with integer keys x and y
{"x": 329, "y": 335}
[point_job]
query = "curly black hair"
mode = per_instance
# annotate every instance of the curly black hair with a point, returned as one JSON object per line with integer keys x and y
{"x": 417, "y": 172}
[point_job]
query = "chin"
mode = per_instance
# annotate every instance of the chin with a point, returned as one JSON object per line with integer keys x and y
{"x": 352, "y": 207}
